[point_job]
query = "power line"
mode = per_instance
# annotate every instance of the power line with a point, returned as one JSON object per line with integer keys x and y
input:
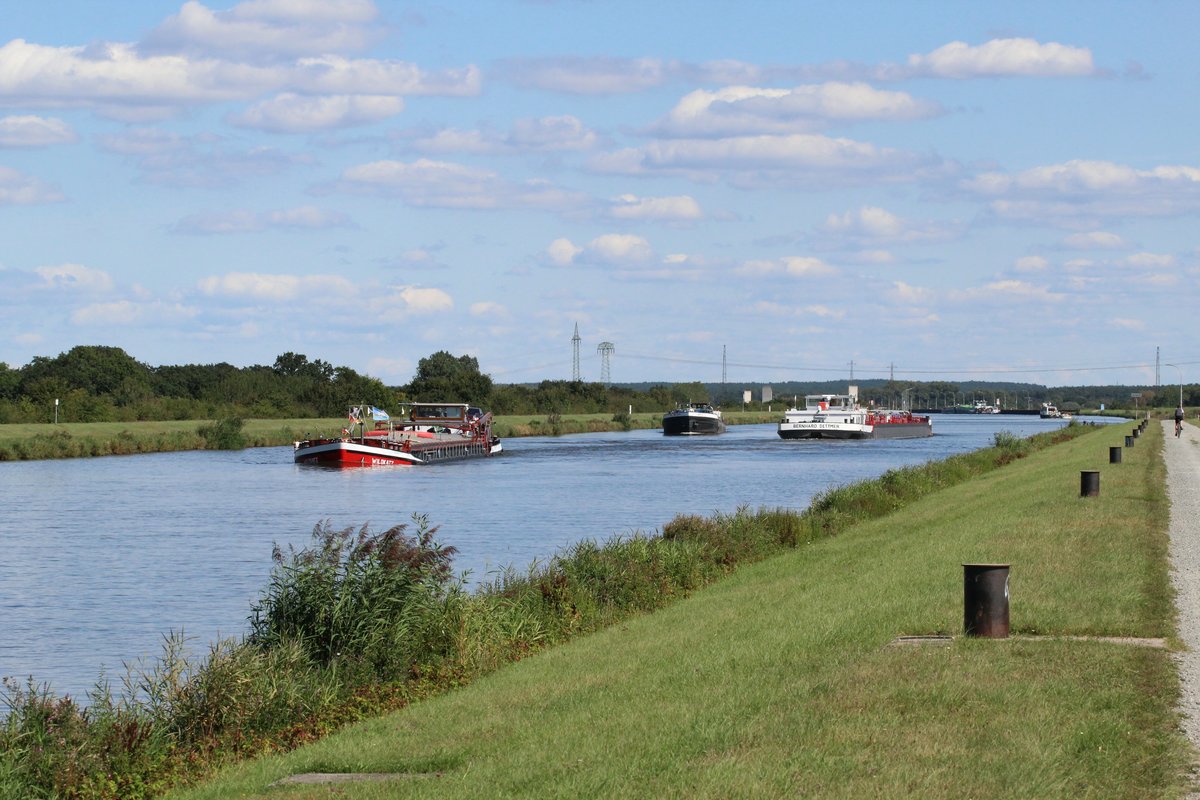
{"x": 940, "y": 371}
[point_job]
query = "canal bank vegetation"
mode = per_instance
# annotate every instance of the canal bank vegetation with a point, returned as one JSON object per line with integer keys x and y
{"x": 775, "y": 680}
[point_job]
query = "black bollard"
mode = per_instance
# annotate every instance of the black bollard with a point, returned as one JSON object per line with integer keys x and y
{"x": 1129, "y": 441}
{"x": 985, "y": 600}
{"x": 1114, "y": 455}
{"x": 1089, "y": 483}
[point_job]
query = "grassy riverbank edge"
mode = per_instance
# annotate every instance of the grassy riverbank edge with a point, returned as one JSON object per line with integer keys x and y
{"x": 779, "y": 680}
{"x": 37, "y": 441}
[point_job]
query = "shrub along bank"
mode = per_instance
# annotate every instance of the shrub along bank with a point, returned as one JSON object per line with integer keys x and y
{"x": 363, "y": 622}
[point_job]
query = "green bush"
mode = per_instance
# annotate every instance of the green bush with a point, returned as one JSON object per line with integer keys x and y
{"x": 225, "y": 434}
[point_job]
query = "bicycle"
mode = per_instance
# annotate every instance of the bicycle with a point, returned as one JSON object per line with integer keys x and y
{"x": 1178, "y": 428}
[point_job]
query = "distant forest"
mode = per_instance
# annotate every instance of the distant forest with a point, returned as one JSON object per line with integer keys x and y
{"x": 100, "y": 384}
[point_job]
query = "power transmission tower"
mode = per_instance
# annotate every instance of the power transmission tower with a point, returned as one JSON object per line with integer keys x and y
{"x": 575, "y": 354}
{"x": 605, "y": 349}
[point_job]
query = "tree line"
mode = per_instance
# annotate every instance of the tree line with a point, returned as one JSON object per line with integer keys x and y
{"x": 93, "y": 383}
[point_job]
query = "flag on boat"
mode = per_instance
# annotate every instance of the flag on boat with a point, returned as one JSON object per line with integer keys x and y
{"x": 355, "y": 413}
{"x": 379, "y": 415}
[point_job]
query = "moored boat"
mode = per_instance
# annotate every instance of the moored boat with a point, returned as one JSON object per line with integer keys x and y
{"x": 430, "y": 432}
{"x": 1050, "y": 412}
{"x": 839, "y": 416}
{"x": 692, "y": 419}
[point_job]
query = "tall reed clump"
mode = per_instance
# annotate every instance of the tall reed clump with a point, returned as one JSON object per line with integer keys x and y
{"x": 357, "y": 596}
{"x": 361, "y": 622}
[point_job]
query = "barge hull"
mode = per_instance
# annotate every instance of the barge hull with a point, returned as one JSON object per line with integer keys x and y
{"x": 691, "y": 426}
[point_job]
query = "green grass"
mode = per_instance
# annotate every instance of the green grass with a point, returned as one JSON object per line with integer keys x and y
{"x": 778, "y": 681}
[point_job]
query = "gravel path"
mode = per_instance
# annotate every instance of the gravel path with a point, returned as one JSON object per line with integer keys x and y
{"x": 1183, "y": 479}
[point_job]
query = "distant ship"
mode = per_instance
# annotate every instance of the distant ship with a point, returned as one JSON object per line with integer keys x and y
{"x": 839, "y": 416}
{"x": 693, "y": 419}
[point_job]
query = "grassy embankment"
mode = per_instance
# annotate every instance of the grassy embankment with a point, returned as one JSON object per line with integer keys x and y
{"x": 778, "y": 681}
{"x": 19, "y": 442}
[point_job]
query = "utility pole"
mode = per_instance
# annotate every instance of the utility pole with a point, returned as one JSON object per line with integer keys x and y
{"x": 851, "y": 370}
{"x": 605, "y": 349}
{"x": 575, "y": 376}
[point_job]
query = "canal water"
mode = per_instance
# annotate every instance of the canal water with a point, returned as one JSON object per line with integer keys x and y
{"x": 102, "y": 557}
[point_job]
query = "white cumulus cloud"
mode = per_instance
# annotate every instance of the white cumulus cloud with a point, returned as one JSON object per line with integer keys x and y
{"x": 1094, "y": 240}
{"x": 18, "y": 189}
{"x": 1150, "y": 260}
{"x": 1078, "y": 192}
{"x": 749, "y": 110}
{"x": 587, "y": 75}
{"x": 489, "y": 308}
{"x": 32, "y": 131}
{"x": 619, "y": 248}
{"x": 1031, "y": 264}
{"x": 795, "y": 266}
{"x": 129, "y": 312}
{"x": 444, "y": 184}
{"x": 74, "y": 276}
{"x": 673, "y": 209}
{"x": 259, "y": 28}
{"x": 562, "y": 252}
{"x": 1004, "y": 58}
{"x": 293, "y": 113}
{"x": 276, "y": 287}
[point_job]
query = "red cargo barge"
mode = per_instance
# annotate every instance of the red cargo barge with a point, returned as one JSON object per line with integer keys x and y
{"x": 431, "y": 432}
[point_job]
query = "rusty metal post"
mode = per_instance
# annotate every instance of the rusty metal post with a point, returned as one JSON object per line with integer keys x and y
{"x": 1089, "y": 483}
{"x": 1114, "y": 455}
{"x": 985, "y": 600}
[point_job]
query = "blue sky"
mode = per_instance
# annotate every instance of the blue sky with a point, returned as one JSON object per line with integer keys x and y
{"x": 935, "y": 190}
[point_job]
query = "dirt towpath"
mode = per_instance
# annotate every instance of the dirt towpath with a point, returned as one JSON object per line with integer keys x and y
{"x": 1183, "y": 478}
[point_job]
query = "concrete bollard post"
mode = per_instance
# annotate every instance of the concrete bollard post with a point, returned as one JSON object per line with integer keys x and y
{"x": 985, "y": 600}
